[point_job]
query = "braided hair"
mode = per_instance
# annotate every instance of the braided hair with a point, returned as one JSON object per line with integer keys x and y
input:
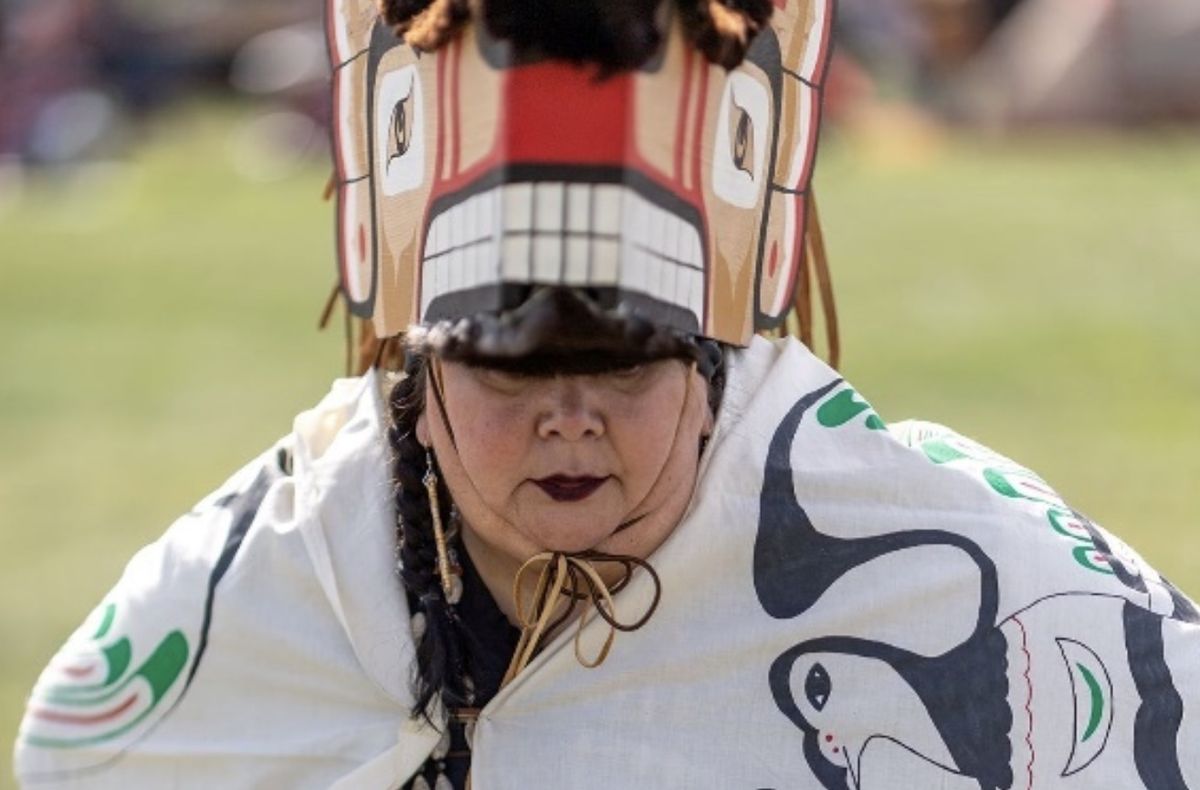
{"x": 613, "y": 34}
{"x": 440, "y": 670}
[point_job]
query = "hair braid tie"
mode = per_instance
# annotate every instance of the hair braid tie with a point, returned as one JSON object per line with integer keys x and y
{"x": 401, "y": 12}
{"x": 425, "y": 24}
{"x": 566, "y": 576}
{"x": 724, "y": 29}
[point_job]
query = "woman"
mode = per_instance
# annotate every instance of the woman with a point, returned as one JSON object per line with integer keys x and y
{"x": 583, "y": 452}
{"x": 635, "y": 543}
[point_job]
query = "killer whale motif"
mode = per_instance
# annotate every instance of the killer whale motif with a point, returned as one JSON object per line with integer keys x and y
{"x": 975, "y": 713}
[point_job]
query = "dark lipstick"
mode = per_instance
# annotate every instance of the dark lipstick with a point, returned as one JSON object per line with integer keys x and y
{"x": 562, "y": 488}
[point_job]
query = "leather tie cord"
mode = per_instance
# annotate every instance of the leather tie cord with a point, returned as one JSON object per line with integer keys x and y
{"x": 575, "y": 578}
{"x": 567, "y": 575}
{"x": 815, "y": 240}
{"x": 814, "y": 261}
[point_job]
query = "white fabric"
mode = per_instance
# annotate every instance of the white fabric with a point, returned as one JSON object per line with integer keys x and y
{"x": 844, "y": 606}
{"x": 304, "y": 677}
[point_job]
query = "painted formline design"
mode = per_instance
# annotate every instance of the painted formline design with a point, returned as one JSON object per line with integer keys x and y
{"x": 570, "y": 233}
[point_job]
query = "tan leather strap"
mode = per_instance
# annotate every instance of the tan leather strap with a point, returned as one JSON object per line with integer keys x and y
{"x": 814, "y": 262}
{"x": 563, "y": 581}
{"x": 815, "y": 241}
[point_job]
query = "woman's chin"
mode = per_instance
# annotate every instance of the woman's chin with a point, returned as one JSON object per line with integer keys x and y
{"x": 571, "y": 528}
{"x": 570, "y": 541}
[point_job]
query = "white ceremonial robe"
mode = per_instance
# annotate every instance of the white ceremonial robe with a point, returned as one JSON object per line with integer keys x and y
{"x": 844, "y": 605}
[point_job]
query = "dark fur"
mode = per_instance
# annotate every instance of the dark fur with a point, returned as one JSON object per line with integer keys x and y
{"x": 616, "y": 35}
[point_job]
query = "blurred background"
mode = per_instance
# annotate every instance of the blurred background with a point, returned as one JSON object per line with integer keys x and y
{"x": 1010, "y": 191}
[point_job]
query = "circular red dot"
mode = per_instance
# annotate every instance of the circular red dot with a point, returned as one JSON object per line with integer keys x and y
{"x": 835, "y": 750}
{"x": 829, "y": 737}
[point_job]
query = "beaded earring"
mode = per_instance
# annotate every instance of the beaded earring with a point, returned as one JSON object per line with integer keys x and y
{"x": 448, "y": 570}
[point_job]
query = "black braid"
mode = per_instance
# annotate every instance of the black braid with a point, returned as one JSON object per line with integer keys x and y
{"x": 440, "y": 671}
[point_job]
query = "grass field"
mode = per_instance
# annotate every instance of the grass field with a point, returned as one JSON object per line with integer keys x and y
{"x": 157, "y": 329}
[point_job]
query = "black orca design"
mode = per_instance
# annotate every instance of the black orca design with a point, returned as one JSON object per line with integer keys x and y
{"x": 794, "y": 565}
{"x": 964, "y": 690}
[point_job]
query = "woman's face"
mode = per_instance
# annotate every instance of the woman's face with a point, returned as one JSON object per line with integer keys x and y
{"x": 602, "y": 461}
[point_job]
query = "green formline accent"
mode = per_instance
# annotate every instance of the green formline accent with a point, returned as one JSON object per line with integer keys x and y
{"x": 1080, "y": 553}
{"x": 75, "y": 743}
{"x": 110, "y": 614}
{"x": 166, "y": 663}
{"x": 840, "y": 409}
{"x": 160, "y": 670}
{"x": 1055, "y": 516}
{"x": 1001, "y": 480}
{"x": 118, "y": 656}
{"x": 941, "y": 453}
{"x": 999, "y": 483}
{"x": 1097, "y": 712}
{"x": 844, "y": 407}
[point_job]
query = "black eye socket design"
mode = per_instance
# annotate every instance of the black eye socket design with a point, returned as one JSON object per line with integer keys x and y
{"x": 741, "y": 139}
{"x": 817, "y": 687}
{"x": 400, "y": 129}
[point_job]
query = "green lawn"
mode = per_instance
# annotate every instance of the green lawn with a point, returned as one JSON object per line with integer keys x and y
{"x": 157, "y": 330}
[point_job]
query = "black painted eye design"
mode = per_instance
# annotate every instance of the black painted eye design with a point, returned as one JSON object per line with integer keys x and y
{"x": 741, "y": 139}
{"x": 817, "y": 687}
{"x": 400, "y": 129}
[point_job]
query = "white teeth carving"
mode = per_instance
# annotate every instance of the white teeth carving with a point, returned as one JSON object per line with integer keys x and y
{"x": 577, "y": 234}
{"x": 575, "y": 268}
{"x": 518, "y": 206}
{"x": 547, "y": 257}
{"x": 518, "y": 252}
{"x": 607, "y": 213}
{"x": 547, "y": 207}
{"x": 579, "y": 206}
{"x": 606, "y": 256}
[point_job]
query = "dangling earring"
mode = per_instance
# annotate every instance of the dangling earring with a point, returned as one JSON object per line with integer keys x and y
{"x": 448, "y": 571}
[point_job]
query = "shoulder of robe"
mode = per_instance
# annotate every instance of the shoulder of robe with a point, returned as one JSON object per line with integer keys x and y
{"x": 842, "y": 457}
{"x": 261, "y": 641}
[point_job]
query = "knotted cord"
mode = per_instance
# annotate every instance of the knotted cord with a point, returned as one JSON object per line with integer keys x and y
{"x": 575, "y": 578}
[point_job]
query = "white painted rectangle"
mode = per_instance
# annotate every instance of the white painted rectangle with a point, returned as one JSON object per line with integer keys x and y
{"x": 548, "y": 207}
{"x": 575, "y": 271}
{"x": 606, "y": 209}
{"x": 579, "y": 207}
{"x": 547, "y": 259}
{"x": 666, "y": 283}
{"x": 515, "y": 258}
{"x": 605, "y": 256}
{"x": 518, "y": 206}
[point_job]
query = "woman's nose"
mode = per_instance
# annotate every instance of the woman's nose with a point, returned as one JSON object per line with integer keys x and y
{"x": 569, "y": 413}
